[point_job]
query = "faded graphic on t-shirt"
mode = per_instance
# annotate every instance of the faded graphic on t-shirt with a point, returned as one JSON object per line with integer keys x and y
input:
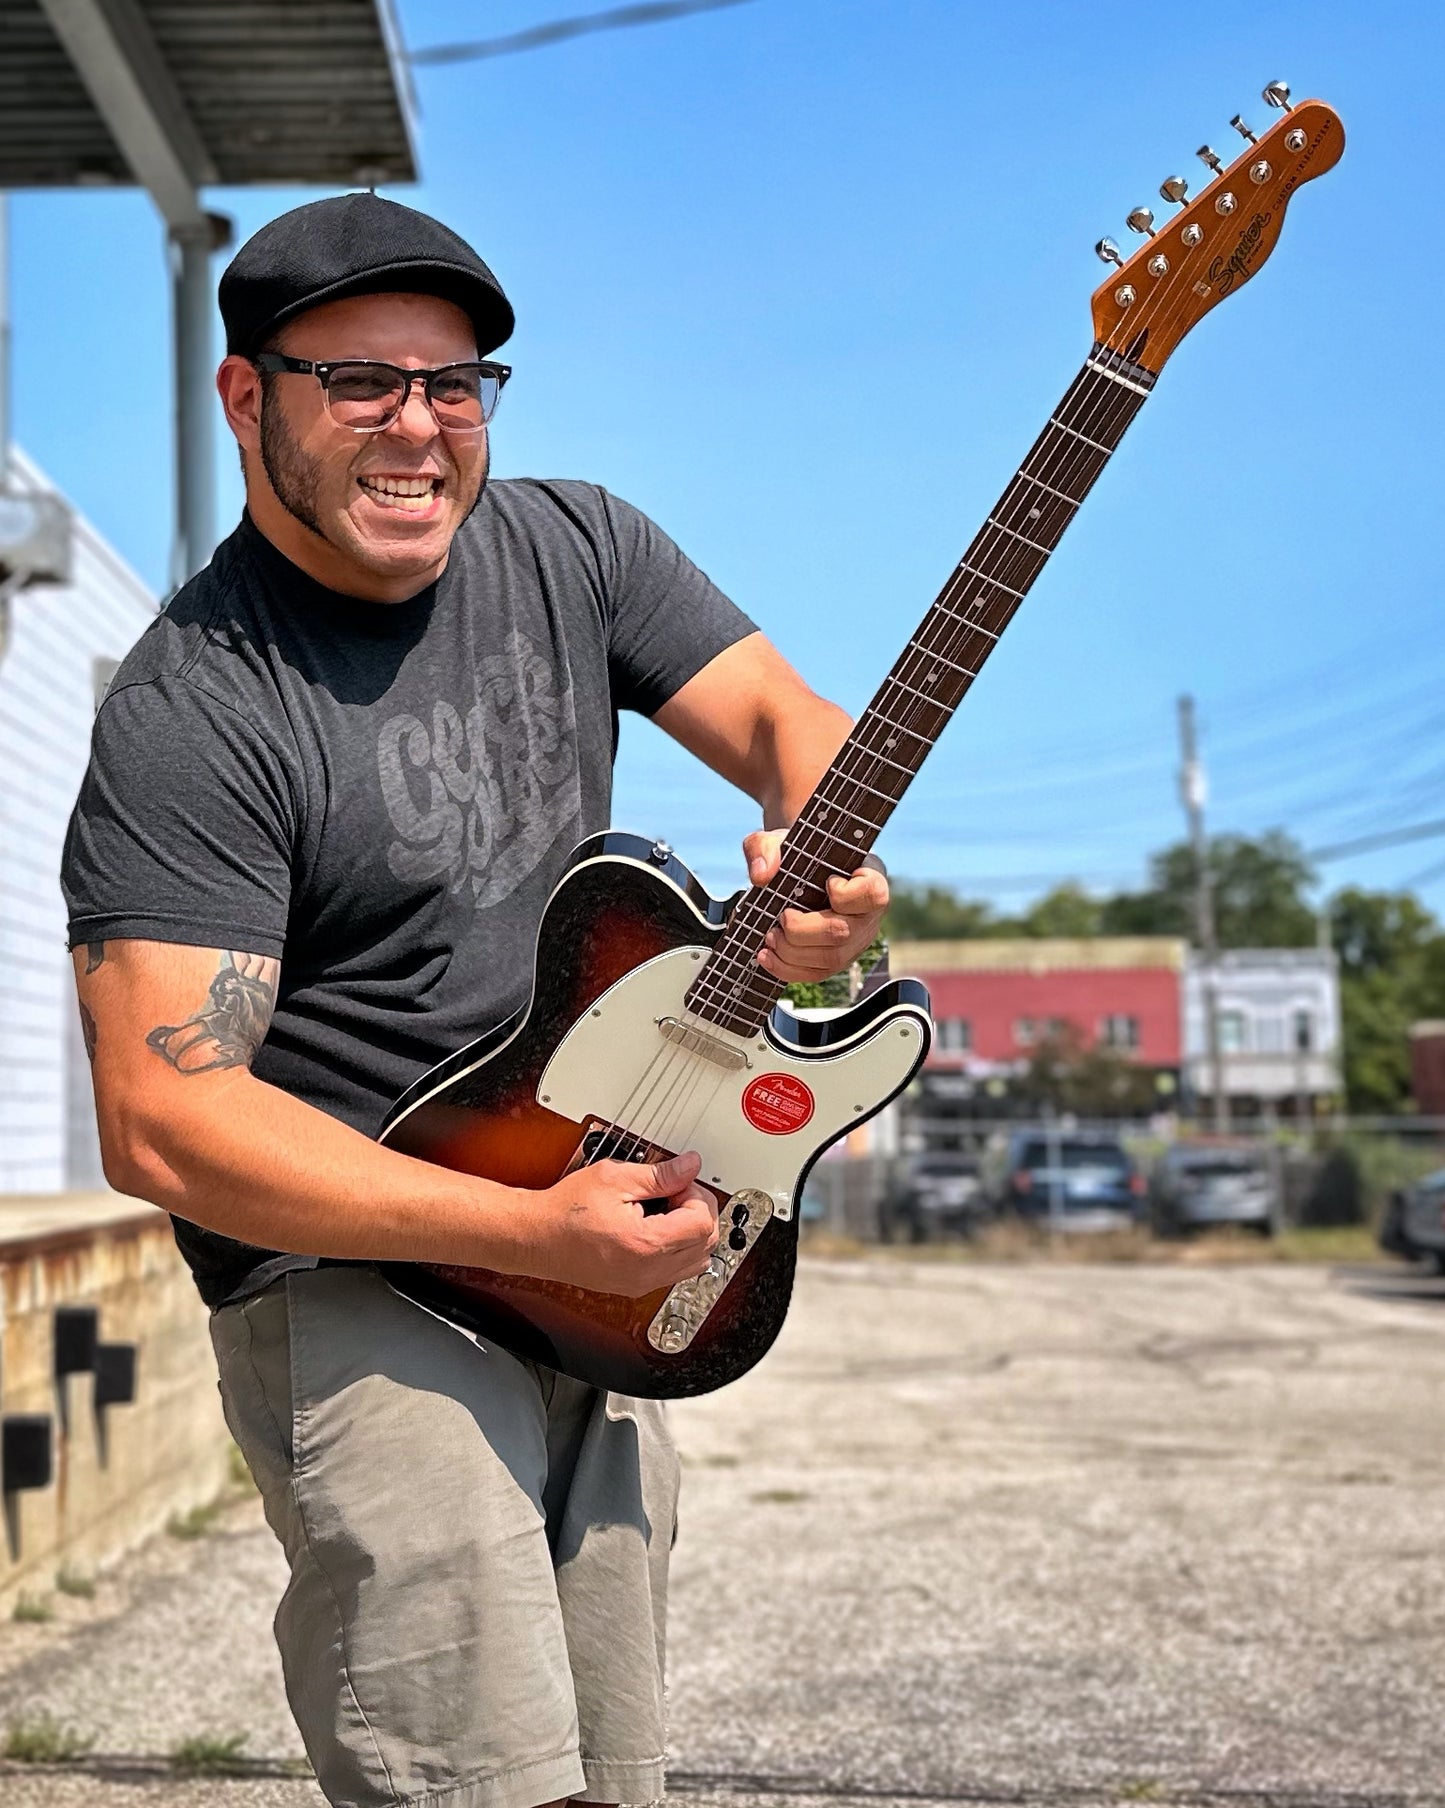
{"x": 500, "y": 781}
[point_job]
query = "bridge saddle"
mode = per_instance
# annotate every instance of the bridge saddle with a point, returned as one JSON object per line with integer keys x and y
{"x": 681, "y": 1315}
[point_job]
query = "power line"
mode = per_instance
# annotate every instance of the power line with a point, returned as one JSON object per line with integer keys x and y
{"x": 1420, "y": 831}
{"x": 615, "y": 18}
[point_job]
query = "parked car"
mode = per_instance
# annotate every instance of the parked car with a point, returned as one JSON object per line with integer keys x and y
{"x": 1196, "y": 1185}
{"x": 937, "y": 1194}
{"x": 1414, "y": 1222}
{"x": 1076, "y": 1181}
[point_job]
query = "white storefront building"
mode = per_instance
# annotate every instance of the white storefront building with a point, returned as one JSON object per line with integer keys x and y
{"x": 1279, "y": 1026}
{"x": 59, "y": 645}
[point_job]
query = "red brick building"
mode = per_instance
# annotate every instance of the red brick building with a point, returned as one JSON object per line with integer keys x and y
{"x": 995, "y": 1001}
{"x": 1427, "y": 1068}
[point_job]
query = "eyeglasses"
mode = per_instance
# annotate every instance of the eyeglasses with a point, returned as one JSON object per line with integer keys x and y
{"x": 365, "y": 396}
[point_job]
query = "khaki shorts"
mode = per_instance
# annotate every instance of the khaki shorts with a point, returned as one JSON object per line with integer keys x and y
{"x": 478, "y": 1552}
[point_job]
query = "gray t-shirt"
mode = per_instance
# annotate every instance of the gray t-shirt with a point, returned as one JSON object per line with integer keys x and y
{"x": 381, "y": 795}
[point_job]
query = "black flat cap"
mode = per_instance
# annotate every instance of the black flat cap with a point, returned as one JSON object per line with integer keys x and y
{"x": 354, "y": 245}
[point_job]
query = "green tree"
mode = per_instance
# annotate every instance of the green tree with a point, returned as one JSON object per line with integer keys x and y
{"x": 1092, "y": 1082}
{"x": 1258, "y": 885}
{"x": 1392, "y": 972}
{"x": 934, "y": 913}
{"x": 1067, "y": 910}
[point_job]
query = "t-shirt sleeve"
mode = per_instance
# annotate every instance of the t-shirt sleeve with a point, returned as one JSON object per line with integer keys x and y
{"x": 667, "y": 619}
{"x": 184, "y": 825}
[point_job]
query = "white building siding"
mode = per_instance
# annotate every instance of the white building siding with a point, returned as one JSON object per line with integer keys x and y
{"x": 47, "y": 702}
{"x": 1261, "y": 995}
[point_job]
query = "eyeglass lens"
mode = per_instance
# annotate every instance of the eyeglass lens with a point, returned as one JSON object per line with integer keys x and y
{"x": 370, "y": 395}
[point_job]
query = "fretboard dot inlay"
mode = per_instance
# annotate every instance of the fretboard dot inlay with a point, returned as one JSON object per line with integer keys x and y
{"x": 912, "y": 707}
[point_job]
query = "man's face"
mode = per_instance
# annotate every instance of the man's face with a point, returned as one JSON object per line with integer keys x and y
{"x": 387, "y": 504}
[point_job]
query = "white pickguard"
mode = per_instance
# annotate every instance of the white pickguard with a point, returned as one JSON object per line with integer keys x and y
{"x": 616, "y": 1064}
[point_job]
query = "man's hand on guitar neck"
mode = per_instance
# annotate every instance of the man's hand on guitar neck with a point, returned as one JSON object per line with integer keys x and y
{"x": 809, "y": 945}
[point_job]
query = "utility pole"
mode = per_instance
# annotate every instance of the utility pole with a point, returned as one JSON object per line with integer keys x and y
{"x": 1191, "y": 792}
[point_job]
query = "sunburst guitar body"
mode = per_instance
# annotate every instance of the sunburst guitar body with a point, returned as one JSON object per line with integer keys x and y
{"x": 604, "y": 1060}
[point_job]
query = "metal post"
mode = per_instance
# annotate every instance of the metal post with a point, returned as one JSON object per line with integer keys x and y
{"x": 195, "y": 532}
{"x": 1191, "y": 791}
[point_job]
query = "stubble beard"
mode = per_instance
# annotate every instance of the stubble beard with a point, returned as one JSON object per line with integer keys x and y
{"x": 295, "y": 478}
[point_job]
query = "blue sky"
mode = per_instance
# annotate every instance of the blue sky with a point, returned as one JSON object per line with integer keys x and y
{"x": 802, "y": 278}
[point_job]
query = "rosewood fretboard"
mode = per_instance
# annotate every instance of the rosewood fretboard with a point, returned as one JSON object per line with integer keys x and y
{"x": 914, "y": 703}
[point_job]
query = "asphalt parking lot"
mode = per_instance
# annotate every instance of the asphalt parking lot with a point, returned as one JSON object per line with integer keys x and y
{"x": 971, "y": 1534}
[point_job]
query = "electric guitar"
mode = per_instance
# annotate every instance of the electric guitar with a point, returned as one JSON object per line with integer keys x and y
{"x": 651, "y": 1027}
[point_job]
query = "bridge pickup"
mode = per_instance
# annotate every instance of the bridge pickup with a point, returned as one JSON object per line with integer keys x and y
{"x": 699, "y": 1042}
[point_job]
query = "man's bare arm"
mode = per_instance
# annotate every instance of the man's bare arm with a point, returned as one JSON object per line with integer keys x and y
{"x": 749, "y": 716}
{"x": 185, "y": 1123}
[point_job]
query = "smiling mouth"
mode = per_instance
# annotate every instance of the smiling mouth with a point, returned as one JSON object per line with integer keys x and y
{"x": 408, "y": 495}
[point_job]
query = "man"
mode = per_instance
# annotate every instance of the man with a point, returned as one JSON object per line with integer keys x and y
{"x": 330, "y": 791}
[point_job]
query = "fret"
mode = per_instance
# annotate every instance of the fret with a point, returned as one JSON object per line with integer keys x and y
{"x": 916, "y": 734}
{"x": 1045, "y": 550}
{"x": 886, "y": 796}
{"x": 1064, "y": 427}
{"x": 966, "y": 621}
{"x": 922, "y": 696}
{"x": 829, "y": 837}
{"x": 869, "y": 753}
{"x": 963, "y": 565}
{"x": 939, "y": 658}
{"x": 1039, "y": 483}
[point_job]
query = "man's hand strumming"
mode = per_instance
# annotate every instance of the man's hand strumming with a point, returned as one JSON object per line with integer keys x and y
{"x": 591, "y": 1230}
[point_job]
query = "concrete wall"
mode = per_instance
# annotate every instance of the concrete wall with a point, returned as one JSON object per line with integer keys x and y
{"x": 63, "y": 639}
{"x": 118, "y": 1481}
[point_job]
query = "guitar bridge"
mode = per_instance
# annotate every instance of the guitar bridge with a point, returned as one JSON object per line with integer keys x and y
{"x": 682, "y": 1314}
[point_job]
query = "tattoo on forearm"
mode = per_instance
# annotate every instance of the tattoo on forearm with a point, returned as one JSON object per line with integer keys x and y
{"x": 87, "y": 1029}
{"x": 94, "y": 955}
{"x": 231, "y": 1026}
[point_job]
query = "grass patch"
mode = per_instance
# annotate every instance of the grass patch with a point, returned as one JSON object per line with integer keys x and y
{"x": 211, "y": 1755}
{"x": 196, "y": 1523}
{"x": 75, "y": 1582}
{"x": 238, "y": 1471}
{"x": 779, "y": 1497}
{"x": 1140, "y": 1789}
{"x": 1010, "y": 1241}
{"x": 42, "y": 1740}
{"x": 30, "y": 1610}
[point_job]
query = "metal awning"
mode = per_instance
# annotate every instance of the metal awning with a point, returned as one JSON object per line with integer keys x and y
{"x": 185, "y": 94}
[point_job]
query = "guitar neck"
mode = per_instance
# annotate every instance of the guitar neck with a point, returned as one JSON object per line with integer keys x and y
{"x": 929, "y": 679}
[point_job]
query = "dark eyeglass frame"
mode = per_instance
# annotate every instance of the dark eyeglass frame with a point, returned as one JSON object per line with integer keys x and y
{"x": 278, "y": 362}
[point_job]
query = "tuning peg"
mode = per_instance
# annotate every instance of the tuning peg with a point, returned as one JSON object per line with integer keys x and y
{"x": 1141, "y": 220}
{"x": 1205, "y": 155}
{"x": 1276, "y": 94}
{"x": 1238, "y": 123}
{"x": 1174, "y": 188}
{"x": 1108, "y": 252}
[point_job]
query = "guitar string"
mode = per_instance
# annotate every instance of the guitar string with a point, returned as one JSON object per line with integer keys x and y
{"x": 714, "y": 990}
{"x": 1078, "y": 404}
{"x": 1125, "y": 408}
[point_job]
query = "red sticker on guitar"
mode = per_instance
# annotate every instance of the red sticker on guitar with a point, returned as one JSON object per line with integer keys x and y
{"x": 777, "y": 1104}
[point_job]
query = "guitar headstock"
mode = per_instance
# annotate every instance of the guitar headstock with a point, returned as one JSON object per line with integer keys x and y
{"x": 1216, "y": 242}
